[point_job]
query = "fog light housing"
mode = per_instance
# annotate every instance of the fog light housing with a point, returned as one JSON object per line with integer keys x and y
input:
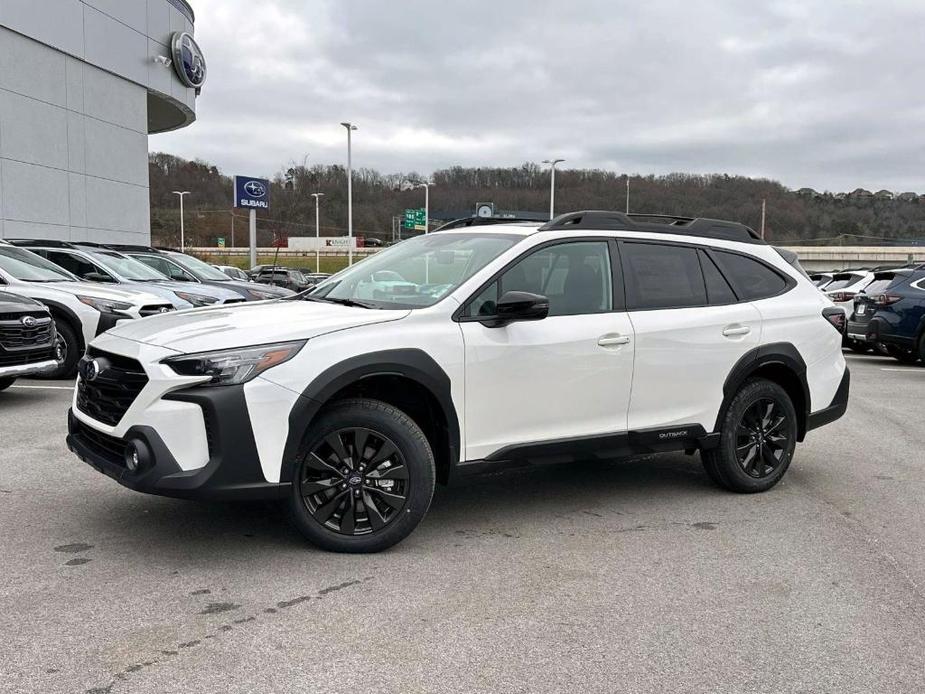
{"x": 137, "y": 456}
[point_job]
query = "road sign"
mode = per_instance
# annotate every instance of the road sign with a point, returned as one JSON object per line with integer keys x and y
{"x": 221, "y": 242}
{"x": 415, "y": 218}
{"x": 251, "y": 193}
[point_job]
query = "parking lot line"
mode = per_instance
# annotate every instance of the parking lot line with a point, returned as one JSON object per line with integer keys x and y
{"x": 46, "y": 387}
{"x": 910, "y": 369}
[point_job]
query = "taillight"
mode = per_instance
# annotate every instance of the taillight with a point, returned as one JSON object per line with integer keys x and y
{"x": 836, "y": 318}
{"x": 838, "y": 297}
{"x": 885, "y": 299}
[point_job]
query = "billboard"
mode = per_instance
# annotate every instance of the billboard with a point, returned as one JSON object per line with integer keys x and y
{"x": 330, "y": 243}
{"x": 251, "y": 193}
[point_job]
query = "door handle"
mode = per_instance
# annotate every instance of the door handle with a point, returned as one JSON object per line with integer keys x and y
{"x": 735, "y": 330}
{"x": 612, "y": 340}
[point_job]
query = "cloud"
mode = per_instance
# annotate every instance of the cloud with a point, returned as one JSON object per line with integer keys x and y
{"x": 809, "y": 92}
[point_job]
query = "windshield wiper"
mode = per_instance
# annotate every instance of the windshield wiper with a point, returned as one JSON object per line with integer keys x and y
{"x": 342, "y": 302}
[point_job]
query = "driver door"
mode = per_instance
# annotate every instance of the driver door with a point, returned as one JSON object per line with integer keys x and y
{"x": 565, "y": 376}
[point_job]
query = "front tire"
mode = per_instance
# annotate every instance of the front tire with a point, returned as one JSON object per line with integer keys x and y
{"x": 67, "y": 352}
{"x": 6, "y": 383}
{"x": 757, "y": 439}
{"x": 363, "y": 479}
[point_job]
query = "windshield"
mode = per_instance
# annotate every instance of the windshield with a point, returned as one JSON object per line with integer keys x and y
{"x": 129, "y": 268}
{"x": 29, "y": 267}
{"x": 203, "y": 270}
{"x": 417, "y": 272}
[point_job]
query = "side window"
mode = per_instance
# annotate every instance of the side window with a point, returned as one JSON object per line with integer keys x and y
{"x": 575, "y": 277}
{"x": 165, "y": 268}
{"x": 662, "y": 276}
{"x": 752, "y": 280}
{"x": 74, "y": 264}
{"x": 718, "y": 290}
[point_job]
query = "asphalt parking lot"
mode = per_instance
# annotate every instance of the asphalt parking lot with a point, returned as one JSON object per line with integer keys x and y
{"x": 632, "y": 576}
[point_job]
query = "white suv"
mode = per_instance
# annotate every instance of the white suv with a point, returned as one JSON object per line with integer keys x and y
{"x": 596, "y": 335}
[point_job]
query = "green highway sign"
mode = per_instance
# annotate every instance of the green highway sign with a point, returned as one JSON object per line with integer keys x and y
{"x": 415, "y": 218}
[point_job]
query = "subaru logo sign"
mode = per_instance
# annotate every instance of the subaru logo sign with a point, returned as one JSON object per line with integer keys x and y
{"x": 89, "y": 369}
{"x": 28, "y": 321}
{"x": 188, "y": 61}
{"x": 255, "y": 189}
{"x": 251, "y": 193}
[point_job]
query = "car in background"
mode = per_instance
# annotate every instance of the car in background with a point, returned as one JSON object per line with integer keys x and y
{"x": 186, "y": 268}
{"x": 841, "y": 290}
{"x": 257, "y": 269}
{"x": 27, "y": 339}
{"x": 284, "y": 277}
{"x": 891, "y": 312}
{"x": 81, "y": 310}
{"x": 315, "y": 278}
{"x": 820, "y": 279}
{"x": 95, "y": 263}
{"x": 233, "y": 272}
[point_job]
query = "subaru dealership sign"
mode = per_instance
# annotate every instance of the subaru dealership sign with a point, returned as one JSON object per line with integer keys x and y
{"x": 251, "y": 193}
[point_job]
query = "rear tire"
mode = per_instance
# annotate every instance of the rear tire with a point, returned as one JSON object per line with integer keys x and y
{"x": 905, "y": 356}
{"x": 922, "y": 349}
{"x": 67, "y": 362}
{"x": 6, "y": 383}
{"x": 858, "y": 346}
{"x": 363, "y": 479}
{"x": 757, "y": 439}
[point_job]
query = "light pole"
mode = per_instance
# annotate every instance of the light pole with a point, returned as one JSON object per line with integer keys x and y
{"x": 317, "y": 197}
{"x": 350, "y": 128}
{"x": 426, "y": 187}
{"x": 181, "y": 193}
{"x": 552, "y": 184}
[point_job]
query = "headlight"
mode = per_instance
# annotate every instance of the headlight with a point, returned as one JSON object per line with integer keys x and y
{"x": 104, "y": 305}
{"x": 264, "y": 295}
{"x": 229, "y": 367}
{"x": 197, "y": 299}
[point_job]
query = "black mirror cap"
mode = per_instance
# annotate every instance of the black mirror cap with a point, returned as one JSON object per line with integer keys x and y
{"x": 520, "y": 306}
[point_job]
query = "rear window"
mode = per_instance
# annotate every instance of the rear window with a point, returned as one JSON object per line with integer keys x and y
{"x": 881, "y": 283}
{"x": 842, "y": 281}
{"x": 750, "y": 279}
{"x": 662, "y": 276}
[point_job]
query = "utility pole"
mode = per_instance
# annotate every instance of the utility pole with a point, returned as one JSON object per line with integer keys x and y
{"x": 627, "y": 193}
{"x": 181, "y": 194}
{"x": 317, "y": 197}
{"x": 350, "y": 128}
{"x": 552, "y": 184}
{"x": 763, "y": 207}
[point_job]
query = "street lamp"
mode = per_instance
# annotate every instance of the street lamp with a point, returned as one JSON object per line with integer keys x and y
{"x": 552, "y": 184}
{"x": 350, "y": 128}
{"x": 317, "y": 197}
{"x": 181, "y": 193}
{"x": 426, "y": 187}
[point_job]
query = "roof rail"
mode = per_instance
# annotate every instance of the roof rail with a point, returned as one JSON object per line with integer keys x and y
{"x": 40, "y": 242}
{"x": 476, "y": 221}
{"x": 128, "y": 247}
{"x": 684, "y": 226}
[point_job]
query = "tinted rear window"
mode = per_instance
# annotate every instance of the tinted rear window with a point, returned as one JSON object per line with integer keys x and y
{"x": 840, "y": 282}
{"x": 752, "y": 280}
{"x": 881, "y": 284}
{"x": 718, "y": 289}
{"x": 662, "y": 276}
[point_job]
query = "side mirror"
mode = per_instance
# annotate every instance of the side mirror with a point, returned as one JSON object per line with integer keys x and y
{"x": 519, "y": 306}
{"x": 98, "y": 277}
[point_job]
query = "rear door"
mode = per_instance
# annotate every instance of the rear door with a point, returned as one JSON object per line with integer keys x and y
{"x": 690, "y": 329}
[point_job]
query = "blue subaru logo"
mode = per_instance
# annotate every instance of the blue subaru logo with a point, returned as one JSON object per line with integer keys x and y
{"x": 188, "y": 61}
{"x": 255, "y": 189}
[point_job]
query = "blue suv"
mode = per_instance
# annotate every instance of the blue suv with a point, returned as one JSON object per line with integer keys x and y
{"x": 891, "y": 312}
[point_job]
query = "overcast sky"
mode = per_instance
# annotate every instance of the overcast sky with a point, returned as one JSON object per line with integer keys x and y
{"x": 820, "y": 93}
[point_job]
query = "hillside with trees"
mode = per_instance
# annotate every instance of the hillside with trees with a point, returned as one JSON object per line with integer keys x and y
{"x": 860, "y": 218}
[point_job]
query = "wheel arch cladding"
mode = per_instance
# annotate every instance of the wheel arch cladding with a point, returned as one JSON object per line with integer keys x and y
{"x": 408, "y": 379}
{"x": 62, "y": 312}
{"x": 779, "y": 362}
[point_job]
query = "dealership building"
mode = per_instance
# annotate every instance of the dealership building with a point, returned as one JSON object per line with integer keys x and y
{"x": 82, "y": 84}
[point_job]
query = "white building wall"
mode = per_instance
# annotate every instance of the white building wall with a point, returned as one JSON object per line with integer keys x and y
{"x": 75, "y": 81}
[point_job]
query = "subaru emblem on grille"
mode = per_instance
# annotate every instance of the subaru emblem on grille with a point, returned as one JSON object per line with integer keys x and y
{"x": 28, "y": 321}
{"x": 89, "y": 369}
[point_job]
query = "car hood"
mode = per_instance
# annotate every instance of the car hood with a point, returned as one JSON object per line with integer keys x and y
{"x": 212, "y": 290}
{"x": 252, "y": 323}
{"x": 131, "y": 296}
{"x": 13, "y": 303}
{"x": 268, "y": 288}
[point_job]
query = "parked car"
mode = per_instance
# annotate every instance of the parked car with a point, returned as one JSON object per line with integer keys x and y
{"x": 652, "y": 334}
{"x": 316, "y": 278}
{"x": 891, "y": 312}
{"x": 27, "y": 339}
{"x": 186, "y": 268}
{"x": 81, "y": 310}
{"x": 285, "y": 277}
{"x": 233, "y": 272}
{"x": 257, "y": 269}
{"x": 841, "y": 290}
{"x": 96, "y": 263}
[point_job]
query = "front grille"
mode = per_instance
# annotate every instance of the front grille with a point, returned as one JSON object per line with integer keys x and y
{"x": 109, "y": 448}
{"x": 235, "y": 301}
{"x": 26, "y": 356}
{"x": 15, "y": 335}
{"x": 107, "y": 397}
{"x": 17, "y": 316}
{"x": 154, "y": 310}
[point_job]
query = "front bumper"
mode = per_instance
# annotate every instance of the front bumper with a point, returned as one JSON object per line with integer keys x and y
{"x": 32, "y": 369}
{"x": 233, "y": 470}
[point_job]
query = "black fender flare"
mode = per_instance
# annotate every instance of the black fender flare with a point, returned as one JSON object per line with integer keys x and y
{"x": 414, "y": 364}
{"x": 772, "y": 354}
{"x": 72, "y": 318}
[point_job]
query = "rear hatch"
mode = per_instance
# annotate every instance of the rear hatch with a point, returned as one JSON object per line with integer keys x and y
{"x": 868, "y": 301}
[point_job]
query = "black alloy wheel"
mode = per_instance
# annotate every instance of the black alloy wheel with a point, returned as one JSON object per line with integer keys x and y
{"x": 363, "y": 478}
{"x": 354, "y": 481}
{"x": 762, "y": 438}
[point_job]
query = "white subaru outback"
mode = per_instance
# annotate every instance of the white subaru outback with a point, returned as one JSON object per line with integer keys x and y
{"x": 593, "y": 336}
